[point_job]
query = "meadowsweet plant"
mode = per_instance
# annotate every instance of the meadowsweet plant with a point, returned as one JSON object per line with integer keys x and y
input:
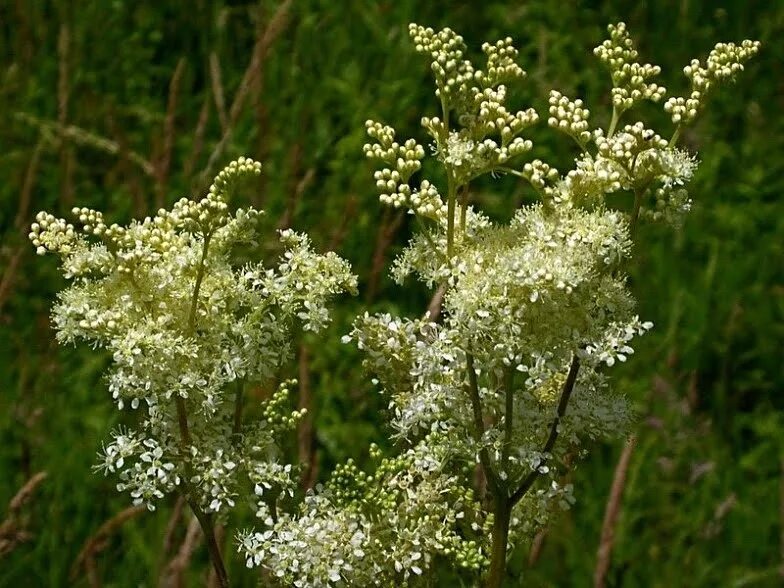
{"x": 188, "y": 327}
{"x": 512, "y": 382}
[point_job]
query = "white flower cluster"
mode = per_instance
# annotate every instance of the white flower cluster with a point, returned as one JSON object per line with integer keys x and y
{"x": 377, "y": 529}
{"x": 185, "y": 326}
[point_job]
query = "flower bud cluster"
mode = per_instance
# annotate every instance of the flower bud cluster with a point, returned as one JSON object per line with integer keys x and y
{"x": 453, "y": 73}
{"x": 277, "y": 419}
{"x": 501, "y": 63}
{"x": 541, "y": 176}
{"x": 724, "y": 62}
{"x": 630, "y": 78}
{"x": 392, "y": 182}
{"x": 569, "y": 116}
{"x": 49, "y": 233}
{"x": 626, "y": 146}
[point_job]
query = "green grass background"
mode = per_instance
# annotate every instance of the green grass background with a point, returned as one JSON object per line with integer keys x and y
{"x": 703, "y": 504}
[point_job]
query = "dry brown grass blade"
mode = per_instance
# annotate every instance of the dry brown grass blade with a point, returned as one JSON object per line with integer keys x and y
{"x": 265, "y": 40}
{"x": 349, "y": 212}
{"x": 217, "y": 91}
{"x": 198, "y": 136}
{"x": 172, "y": 576}
{"x": 12, "y": 532}
{"x": 171, "y": 526}
{"x": 54, "y": 132}
{"x": 132, "y": 179}
{"x": 305, "y": 434}
{"x": 390, "y": 223}
{"x": 96, "y": 543}
{"x": 9, "y": 273}
{"x": 536, "y": 547}
{"x": 163, "y": 165}
{"x": 604, "y": 554}
{"x": 295, "y": 196}
{"x": 25, "y": 196}
{"x": 781, "y": 517}
{"x": 63, "y": 96}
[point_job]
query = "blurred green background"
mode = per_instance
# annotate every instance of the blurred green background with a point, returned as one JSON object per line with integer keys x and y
{"x": 127, "y": 106}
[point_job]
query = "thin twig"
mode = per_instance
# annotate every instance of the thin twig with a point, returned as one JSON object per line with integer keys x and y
{"x": 212, "y": 577}
{"x": 508, "y": 415}
{"x": 479, "y": 424}
{"x": 566, "y": 393}
{"x": 604, "y": 553}
{"x": 434, "y": 308}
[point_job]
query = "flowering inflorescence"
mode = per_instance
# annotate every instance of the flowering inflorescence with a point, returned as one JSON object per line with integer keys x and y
{"x": 534, "y": 313}
{"x": 187, "y": 328}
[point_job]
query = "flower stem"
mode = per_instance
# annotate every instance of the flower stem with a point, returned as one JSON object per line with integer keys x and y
{"x": 205, "y": 520}
{"x": 502, "y": 513}
{"x": 616, "y": 116}
{"x": 566, "y": 394}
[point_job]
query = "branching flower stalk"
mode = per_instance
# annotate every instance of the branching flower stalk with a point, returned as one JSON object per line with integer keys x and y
{"x": 187, "y": 326}
{"x": 512, "y": 380}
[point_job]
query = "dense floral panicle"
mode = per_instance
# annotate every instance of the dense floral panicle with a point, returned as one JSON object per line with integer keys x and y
{"x": 181, "y": 320}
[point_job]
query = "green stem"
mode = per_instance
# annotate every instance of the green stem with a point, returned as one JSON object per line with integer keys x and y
{"x": 675, "y": 136}
{"x": 616, "y": 116}
{"x": 205, "y": 520}
{"x": 502, "y": 513}
{"x": 479, "y": 425}
{"x": 450, "y": 216}
{"x": 639, "y": 193}
{"x": 508, "y": 416}
{"x": 463, "y": 209}
{"x": 197, "y": 285}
